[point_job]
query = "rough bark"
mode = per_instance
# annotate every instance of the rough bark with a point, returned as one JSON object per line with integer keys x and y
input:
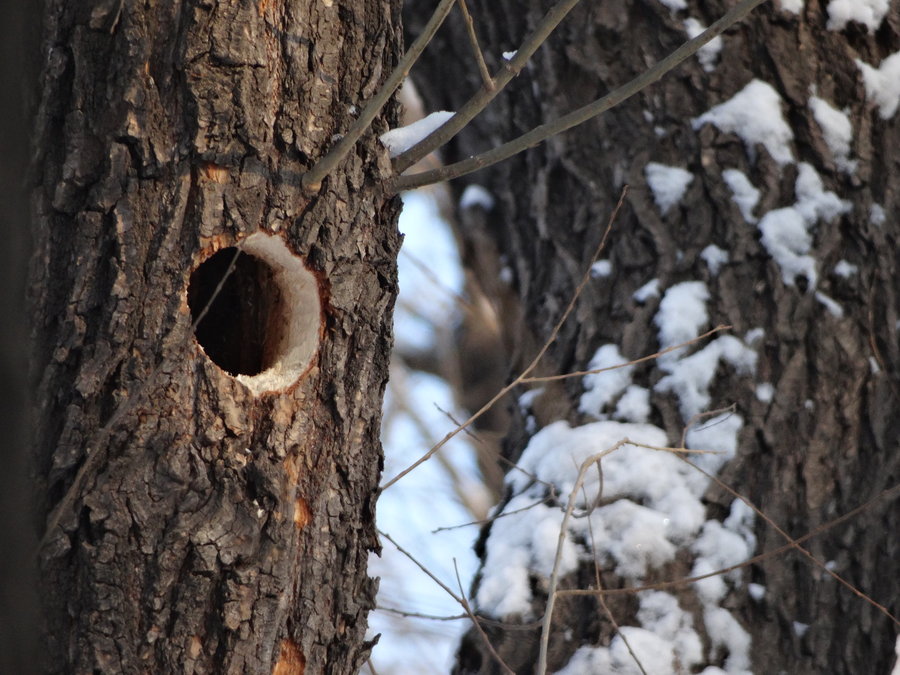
{"x": 828, "y": 440}
{"x": 217, "y": 531}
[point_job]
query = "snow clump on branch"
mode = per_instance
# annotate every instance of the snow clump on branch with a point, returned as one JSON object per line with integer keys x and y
{"x": 401, "y": 139}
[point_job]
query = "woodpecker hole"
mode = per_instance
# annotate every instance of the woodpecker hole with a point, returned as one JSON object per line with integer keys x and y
{"x": 257, "y": 312}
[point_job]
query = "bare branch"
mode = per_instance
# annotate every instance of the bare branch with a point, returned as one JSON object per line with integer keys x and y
{"x": 649, "y": 357}
{"x": 421, "y": 566}
{"x": 543, "y": 132}
{"x": 312, "y": 180}
{"x": 503, "y": 392}
{"x": 601, "y": 598}
{"x": 561, "y": 539}
{"x": 889, "y": 493}
{"x": 476, "y": 48}
{"x": 478, "y": 627}
{"x": 419, "y": 615}
{"x": 793, "y": 543}
{"x": 484, "y": 96}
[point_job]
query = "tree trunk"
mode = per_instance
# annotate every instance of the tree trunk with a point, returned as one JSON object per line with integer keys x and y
{"x": 825, "y": 438}
{"x": 18, "y": 601}
{"x": 210, "y": 497}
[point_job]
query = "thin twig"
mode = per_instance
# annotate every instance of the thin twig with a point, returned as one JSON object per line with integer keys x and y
{"x": 419, "y": 615}
{"x": 312, "y": 179}
{"x": 461, "y": 598}
{"x": 503, "y": 514}
{"x": 563, "y": 533}
{"x": 793, "y": 543}
{"x": 543, "y": 132}
{"x": 477, "y": 625}
{"x": 560, "y": 542}
{"x": 421, "y": 566}
{"x": 476, "y": 48}
{"x": 401, "y": 394}
{"x": 890, "y": 493}
{"x": 634, "y": 362}
{"x": 505, "y": 390}
{"x": 701, "y": 415}
{"x": 483, "y": 96}
{"x": 599, "y": 583}
{"x": 532, "y": 625}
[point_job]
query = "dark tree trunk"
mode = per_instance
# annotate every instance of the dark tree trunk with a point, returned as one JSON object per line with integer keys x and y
{"x": 829, "y": 438}
{"x": 197, "y": 523}
{"x": 18, "y": 602}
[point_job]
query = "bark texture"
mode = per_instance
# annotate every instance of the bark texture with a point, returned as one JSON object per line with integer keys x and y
{"x": 827, "y": 441}
{"x": 217, "y": 531}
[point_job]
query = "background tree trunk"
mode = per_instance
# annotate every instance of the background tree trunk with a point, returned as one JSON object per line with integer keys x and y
{"x": 827, "y": 441}
{"x": 217, "y": 530}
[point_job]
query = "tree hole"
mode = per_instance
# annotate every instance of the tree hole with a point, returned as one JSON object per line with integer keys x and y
{"x": 244, "y": 321}
{"x": 257, "y": 312}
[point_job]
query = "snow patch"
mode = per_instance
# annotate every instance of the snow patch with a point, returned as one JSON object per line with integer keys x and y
{"x": 668, "y": 184}
{"x": 682, "y": 313}
{"x": 719, "y": 437}
{"x": 601, "y": 269}
{"x": 833, "y": 307}
{"x": 786, "y": 231}
{"x": 660, "y": 614}
{"x": 714, "y": 257}
{"x": 786, "y": 239}
{"x": 793, "y": 6}
{"x": 602, "y": 388}
{"x": 765, "y": 392}
{"x": 883, "y": 84}
{"x": 756, "y": 591}
{"x": 869, "y": 13}
{"x": 743, "y": 193}
{"x": 647, "y": 291}
{"x": 674, "y": 5}
{"x": 836, "y": 130}
{"x": 726, "y": 634}
{"x": 475, "y": 195}
{"x": 401, "y": 139}
{"x": 814, "y": 202}
{"x": 689, "y": 378}
{"x": 634, "y": 405}
{"x": 754, "y": 114}
{"x": 521, "y": 542}
{"x": 708, "y": 54}
{"x": 845, "y": 269}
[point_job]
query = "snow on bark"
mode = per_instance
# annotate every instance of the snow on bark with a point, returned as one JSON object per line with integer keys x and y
{"x": 883, "y": 84}
{"x": 754, "y": 114}
{"x": 869, "y": 13}
{"x": 836, "y": 130}
{"x": 667, "y": 183}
